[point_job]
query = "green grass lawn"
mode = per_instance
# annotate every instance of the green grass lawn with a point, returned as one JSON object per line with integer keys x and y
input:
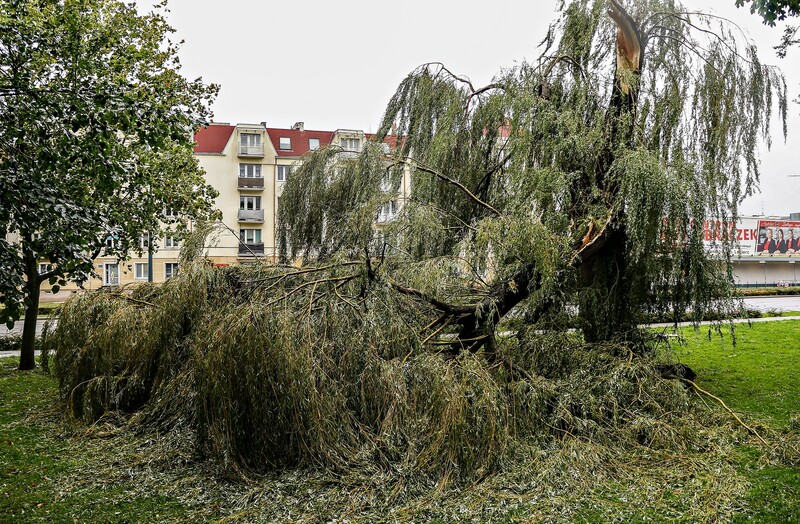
{"x": 759, "y": 375}
{"x": 43, "y": 467}
{"x": 759, "y": 378}
{"x": 55, "y": 471}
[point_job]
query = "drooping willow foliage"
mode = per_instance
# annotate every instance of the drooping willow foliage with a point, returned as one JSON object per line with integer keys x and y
{"x": 518, "y": 176}
{"x": 263, "y": 367}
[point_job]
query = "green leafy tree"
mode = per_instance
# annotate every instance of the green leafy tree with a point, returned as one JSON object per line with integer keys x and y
{"x": 575, "y": 183}
{"x": 772, "y": 10}
{"x": 95, "y": 142}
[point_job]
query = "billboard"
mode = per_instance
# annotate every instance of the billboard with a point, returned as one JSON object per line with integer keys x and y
{"x": 778, "y": 238}
{"x": 754, "y": 237}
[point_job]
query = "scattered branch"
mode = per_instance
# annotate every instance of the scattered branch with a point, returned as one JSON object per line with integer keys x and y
{"x": 700, "y": 390}
{"x": 131, "y": 299}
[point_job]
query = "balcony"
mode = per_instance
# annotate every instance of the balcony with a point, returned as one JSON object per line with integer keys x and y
{"x": 256, "y": 184}
{"x": 251, "y": 150}
{"x": 251, "y": 215}
{"x": 251, "y": 249}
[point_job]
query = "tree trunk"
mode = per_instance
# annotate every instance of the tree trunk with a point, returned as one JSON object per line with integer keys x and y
{"x": 605, "y": 308}
{"x": 33, "y": 286}
{"x": 604, "y": 305}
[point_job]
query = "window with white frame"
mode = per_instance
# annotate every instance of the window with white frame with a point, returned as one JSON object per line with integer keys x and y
{"x": 111, "y": 241}
{"x": 250, "y": 203}
{"x": 284, "y": 172}
{"x": 44, "y": 267}
{"x": 171, "y": 242}
{"x": 250, "y": 140}
{"x": 387, "y": 184}
{"x": 285, "y": 143}
{"x": 140, "y": 271}
{"x": 110, "y": 274}
{"x": 350, "y": 144}
{"x": 250, "y": 170}
{"x": 313, "y": 144}
{"x": 387, "y": 211}
{"x": 170, "y": 269}
{"x": 250, "y": 236}
{"x": 169, "y": 212}
{"x": 144, "y": 240}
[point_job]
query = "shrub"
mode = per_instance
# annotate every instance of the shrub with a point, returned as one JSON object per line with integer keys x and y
{"x": 10, "y": 343}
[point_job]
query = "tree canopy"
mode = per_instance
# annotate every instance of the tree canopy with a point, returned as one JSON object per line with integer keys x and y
{"x": 772, "y": 10}
{"x": 576, "y": 180}
{"x": 95, "y": 140}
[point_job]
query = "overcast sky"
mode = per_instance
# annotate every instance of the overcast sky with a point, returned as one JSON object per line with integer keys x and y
{"x": 335, "y": 64}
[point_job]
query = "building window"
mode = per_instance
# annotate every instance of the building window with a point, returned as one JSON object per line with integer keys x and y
{"x": 170, "y": 269}
{"x": 284, "y": 172}
{"x": 313, "y": 144}
{"x": 285, "y": 143}
{"x": 350, "y": 144}
{"x": 170, "y": 242}
{"x": 250, "y": 236}
{"x": 169, "y": 212}
{"x": 111, "y": 274}
{"x": 144, "y": 240}
{"x": 250, "y": 170}
{"x": 250, "y": 144}
{"x": 387, "y": 211}
{"x": 250, "y": 203}
{"x": 111, "y": 241}
{"x": 387, "y": 184}
{"x": 45, "y": 268}
{"x": 250, "y": 140}
{"x": 140, "y": 271}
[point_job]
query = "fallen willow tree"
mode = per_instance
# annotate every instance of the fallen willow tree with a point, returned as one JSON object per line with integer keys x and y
{"x": 269, "y": 367}
{"x": 563, "y": 195}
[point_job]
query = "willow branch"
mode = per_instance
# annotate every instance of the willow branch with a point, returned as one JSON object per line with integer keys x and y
{"x": 411, "y": 162}
{"x": 439, "y": 330}
{"x": 699, "y": 390}
{"x": 296, "y": 272}
{"x": 131, "y": 299}
{"x": 442, "y": 306}
{"x": 306, "y": 284}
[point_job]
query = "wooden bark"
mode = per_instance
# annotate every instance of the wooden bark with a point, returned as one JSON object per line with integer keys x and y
{"x": 33, "y": 284}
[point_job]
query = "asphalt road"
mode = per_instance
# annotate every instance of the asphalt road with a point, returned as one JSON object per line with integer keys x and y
{"x": 774, "y": 303}
{"x": 17, "y": 329}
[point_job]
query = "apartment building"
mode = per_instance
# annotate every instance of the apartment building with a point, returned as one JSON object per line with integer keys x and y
{"x": 248, "y": 164}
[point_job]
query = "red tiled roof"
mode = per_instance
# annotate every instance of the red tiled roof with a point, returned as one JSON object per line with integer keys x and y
{"x": 391, "y": 140}
{"x": 213, "y": 139}
{"x": 299, "y": 140}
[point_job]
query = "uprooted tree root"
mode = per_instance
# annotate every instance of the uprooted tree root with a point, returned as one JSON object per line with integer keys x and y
{"x": 267, "y": 367}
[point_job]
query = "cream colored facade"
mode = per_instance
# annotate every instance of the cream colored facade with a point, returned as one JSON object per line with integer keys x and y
{"x": 244, "y": 175}
{"x": 248, "y": 164}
